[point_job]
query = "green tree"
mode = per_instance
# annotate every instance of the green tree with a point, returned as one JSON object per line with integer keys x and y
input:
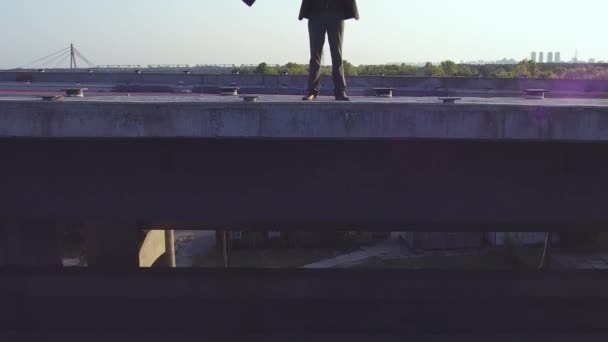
{"x": 466, "y": 71}
{"x": 265, "y": 69}
{"x": 349, "y": 69}
{"x": 523, "y": 68}
{"x": 429, "y": 69}
{"x": 409, "y": 70}
{"x": 326, "y": 70}
{"x": 546, "y": 74}
{"x": 438, "y": 71}
{"x": 449, "y": 68}
{"x": 532, "y": 68}
{"x": 262, "y": 68}
{"x": 295, "y": 69}
{"x": 501, "y": 73}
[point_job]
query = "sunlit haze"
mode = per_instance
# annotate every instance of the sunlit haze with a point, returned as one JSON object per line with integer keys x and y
{"x": 228, "y": 32}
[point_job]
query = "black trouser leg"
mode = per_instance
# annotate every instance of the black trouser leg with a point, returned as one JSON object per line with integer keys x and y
{"x": 335, "y": 32}
{"x": 316, "y": 30}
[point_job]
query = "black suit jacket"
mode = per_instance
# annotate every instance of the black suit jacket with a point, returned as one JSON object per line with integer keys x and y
{"x": 349, "y": 6}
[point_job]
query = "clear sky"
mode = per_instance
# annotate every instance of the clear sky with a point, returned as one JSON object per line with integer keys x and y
{"x": 228, "y": 32}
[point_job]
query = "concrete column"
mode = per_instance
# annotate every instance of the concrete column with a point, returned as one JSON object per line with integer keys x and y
{"x": 112, "y": 245}
{"x": 29, "y": 243}
{"x": 224, "y": 248}
{"x": 170, "y": 248}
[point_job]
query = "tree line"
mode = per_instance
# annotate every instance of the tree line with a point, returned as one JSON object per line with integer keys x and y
{"x": 449, "y": 68}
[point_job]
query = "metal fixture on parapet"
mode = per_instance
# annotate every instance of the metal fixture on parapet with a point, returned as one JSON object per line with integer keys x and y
{"x": 229, "y": 91}
{"x": 75, "y": 92}
{"x": 384, "y": 92}
{"x": 52, "y": 98}
{"x": 250, "y": 98}
{"x": 450, "y": 99}
{"x": 535, "y": 94}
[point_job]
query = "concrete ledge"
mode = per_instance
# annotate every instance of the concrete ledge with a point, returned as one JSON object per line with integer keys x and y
{"x": 274, "y": 284}
{"x": 294, "y": 337}
{"x": 363, "y": 303}
{"x": 309, "y": 185}
{"x": 422, "y": 119}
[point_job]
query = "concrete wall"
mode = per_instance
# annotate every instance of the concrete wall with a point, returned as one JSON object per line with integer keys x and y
{"x": 442, "y": 241}
{"x": 368, "y": 166}
{"x": 309, "y": 185}
{"x": 29, "y": 243}
{"x": 111, "y": 244}
{"x": 381, "y": 120}
{"x": 304, "y": 305}
{"x": 531, "y": 238}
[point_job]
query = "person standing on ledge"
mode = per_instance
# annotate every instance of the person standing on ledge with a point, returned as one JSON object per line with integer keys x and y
{"x": 326, "y": 17}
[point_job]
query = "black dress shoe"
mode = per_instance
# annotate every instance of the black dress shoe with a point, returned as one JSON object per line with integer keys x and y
{"x": 310, "y": 97}
{"x": 342, "y": 97}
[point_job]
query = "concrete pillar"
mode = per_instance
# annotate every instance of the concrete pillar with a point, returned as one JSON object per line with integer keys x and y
{"x": 170, "y": 248}
{"x": 158, "y": 249}
{"x": 29, "y": 243}
{"x": 152, "y": 250}
{"x": 112, "y": 245}
{"x": 224, "y": 248}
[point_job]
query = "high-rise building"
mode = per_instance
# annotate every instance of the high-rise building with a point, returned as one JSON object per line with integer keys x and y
{"x": 550, "y": 57}
{"x": 558, "y": 57}
{"x": 541, "y": 57}
{"x": 533, "y": 56}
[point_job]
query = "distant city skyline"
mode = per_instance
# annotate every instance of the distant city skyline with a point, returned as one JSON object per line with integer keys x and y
{"x": 556, "y": 57}
{"x": 228, "y": 32}
{"x": 534, "y": 56}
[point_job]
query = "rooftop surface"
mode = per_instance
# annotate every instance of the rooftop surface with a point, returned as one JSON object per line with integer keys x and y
{"x": 292, "y": 99}
{"x": 296, "y": 84}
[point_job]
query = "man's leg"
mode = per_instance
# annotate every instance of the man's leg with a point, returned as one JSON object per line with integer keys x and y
{"x": 335, "y": 32}
{"x": 316, "y": 31}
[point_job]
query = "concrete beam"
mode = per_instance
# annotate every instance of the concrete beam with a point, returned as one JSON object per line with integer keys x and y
{"x": 30, "y": 244}
{"x": 425, "y": 185}
{"x": 359, "y": 302}
{"x": 513, "y": 120}
{"x": 303, "y": 284}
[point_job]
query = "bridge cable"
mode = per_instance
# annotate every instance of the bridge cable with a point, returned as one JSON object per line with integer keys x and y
{"x": 45, "y": 57}
{"x": 56, "y": 58}
{"x": 83, "y": 58}
{"x": 61, "y": 61}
